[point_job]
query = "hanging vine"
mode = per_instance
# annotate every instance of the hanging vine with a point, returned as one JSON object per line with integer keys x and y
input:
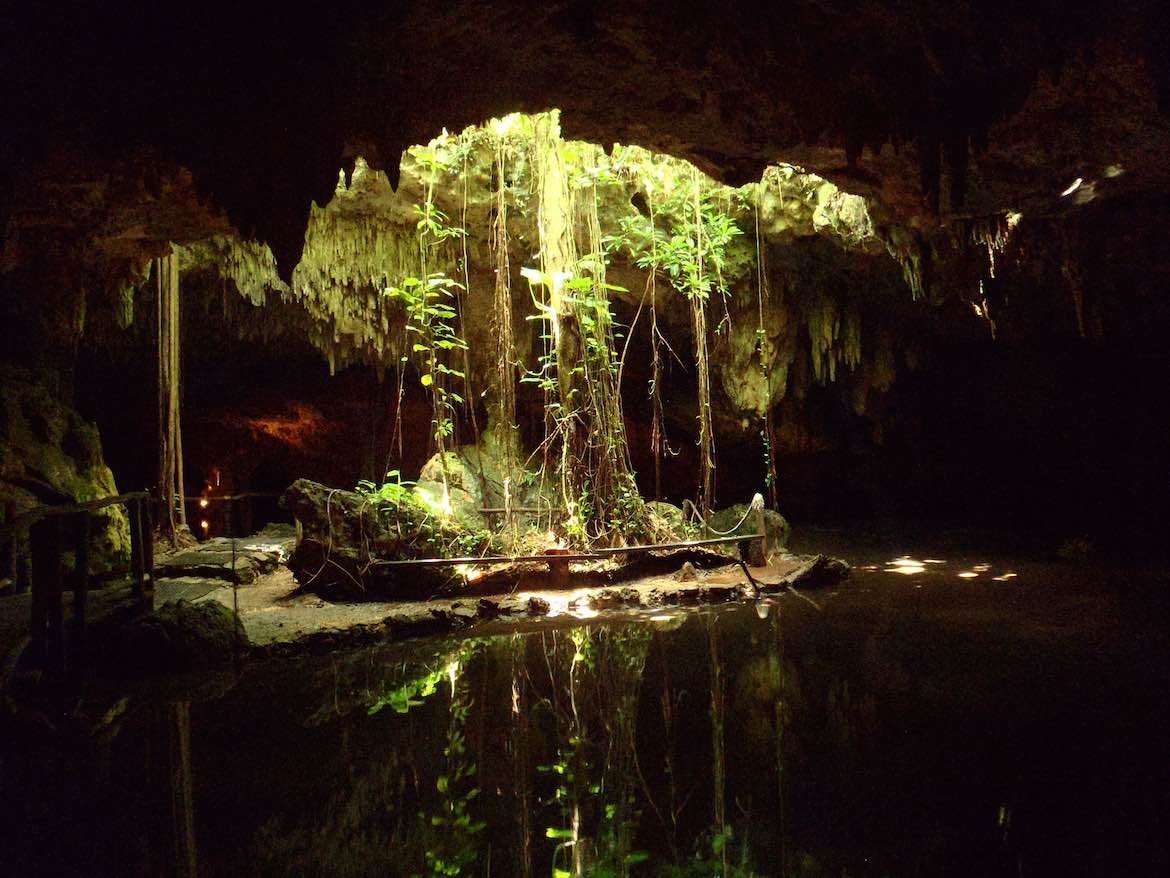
{"x": 170, "y": 465}
{"x": 578, "y": 371}
{"x": 691, "y": 251}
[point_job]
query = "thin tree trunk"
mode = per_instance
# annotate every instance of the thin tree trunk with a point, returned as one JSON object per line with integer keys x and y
{"x": 170, "y": 479}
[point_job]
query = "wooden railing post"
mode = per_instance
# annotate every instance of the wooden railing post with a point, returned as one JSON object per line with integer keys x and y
{"x": 80, "y": 588}
{"x": 47, "y": 623}
{"x": 147, "y": 525}
{"x": 39, "y": 561}
{"x": 137, "y": 550}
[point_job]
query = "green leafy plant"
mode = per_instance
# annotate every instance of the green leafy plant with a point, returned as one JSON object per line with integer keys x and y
{"x": 431, "y": 321}
{"x": 687, "y": 241}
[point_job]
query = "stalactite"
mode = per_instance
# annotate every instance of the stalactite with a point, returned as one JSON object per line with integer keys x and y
{"x": 908, "y": 251}
{"x": 249, "y": 265}
{"x": 824, "y": 328}
{"x": 355, "y": 247}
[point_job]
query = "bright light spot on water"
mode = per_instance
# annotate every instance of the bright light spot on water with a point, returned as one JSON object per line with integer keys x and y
{"x": 905, "y": 565}
{"x": 583, "y": 612}
{"x": 982, "y": 568}
{"x": 968, "y": 574}
{"x": 1073, "y": 187}
{"x": 762, "y": 608}
{"x": 932, "y": 561}
{"x": 1004, "y": 577}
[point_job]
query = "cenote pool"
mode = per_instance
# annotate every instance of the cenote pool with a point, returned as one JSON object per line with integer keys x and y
{"x": 915, "y": 722}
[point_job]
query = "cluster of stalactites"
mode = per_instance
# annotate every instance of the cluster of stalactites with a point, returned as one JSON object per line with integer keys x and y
{"x": 834, "y": 334}
{"x": 249, "y": 265}
{"x": 350, "y": 259}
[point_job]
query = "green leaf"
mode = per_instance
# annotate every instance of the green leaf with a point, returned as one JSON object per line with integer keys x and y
{"x": 426, "y": 379}
{"x": 555, "y": 832}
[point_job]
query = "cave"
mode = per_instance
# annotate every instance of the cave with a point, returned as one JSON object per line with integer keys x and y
{"x": 580, "y": 404}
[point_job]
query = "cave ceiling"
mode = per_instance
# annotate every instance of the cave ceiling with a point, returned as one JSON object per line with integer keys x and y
{"x": 931, "y": 109}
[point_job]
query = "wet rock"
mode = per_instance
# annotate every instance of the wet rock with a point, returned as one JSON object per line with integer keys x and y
{"x": 686, "y": 573}
{"x": 717, "y": 593}
{"x": 513, "y": 606}
{"x": 461, "y": 614}
{"x": 609, "y": 598}
{"x": 417, "y": 620}
{"x": 818, "y": 572}
{"x": 488, "y": 609}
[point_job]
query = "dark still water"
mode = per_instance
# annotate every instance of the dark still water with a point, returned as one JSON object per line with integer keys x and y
{"x": 940, "y": 717}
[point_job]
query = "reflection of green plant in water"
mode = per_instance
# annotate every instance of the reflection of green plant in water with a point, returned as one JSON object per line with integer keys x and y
{"x": 595, "y": 769}
{"x": 409, "y": 694}
{"x": 453, "y": 847}
{"x": 457, "y": 849}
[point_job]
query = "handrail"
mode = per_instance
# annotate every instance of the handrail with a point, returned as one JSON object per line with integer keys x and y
{"x": 219, "y": 498}
{"x": 590, "y": 555}
{"x": 32, "y": 516}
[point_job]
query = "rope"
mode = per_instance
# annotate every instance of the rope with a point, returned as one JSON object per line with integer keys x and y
{"x": 756, "y": 505}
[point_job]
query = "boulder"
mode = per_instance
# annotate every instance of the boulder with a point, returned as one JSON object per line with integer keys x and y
{"x": 344, "y": 535}
{"x": 476, "y": 477}
{"x": 725, "y": 521}
{"x": 50, "y": 455}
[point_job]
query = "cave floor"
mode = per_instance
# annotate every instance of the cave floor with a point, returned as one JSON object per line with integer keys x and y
{"x": 278, "y": 617}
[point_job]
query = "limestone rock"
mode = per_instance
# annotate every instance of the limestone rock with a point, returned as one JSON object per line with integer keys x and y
{"x": 344, "y": 535}
{"x": 775, "y": 525}
{"x": 50, "y": 455}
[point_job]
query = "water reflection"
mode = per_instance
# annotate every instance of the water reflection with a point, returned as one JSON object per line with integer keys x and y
{"x": 766, "y": 739}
